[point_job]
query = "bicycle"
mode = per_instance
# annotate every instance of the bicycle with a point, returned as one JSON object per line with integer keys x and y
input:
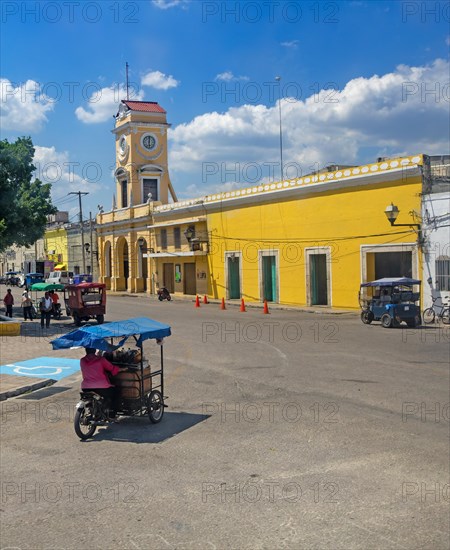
{"x": 429, "y": 314}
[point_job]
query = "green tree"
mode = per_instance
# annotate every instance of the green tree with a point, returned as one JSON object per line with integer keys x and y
{"x": 24, "y": 203}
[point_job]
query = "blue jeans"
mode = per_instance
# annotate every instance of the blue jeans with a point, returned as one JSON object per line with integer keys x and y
{"x": 45, "y": 315}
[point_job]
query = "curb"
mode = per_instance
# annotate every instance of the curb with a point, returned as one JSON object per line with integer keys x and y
{"x": 25, "y": 389}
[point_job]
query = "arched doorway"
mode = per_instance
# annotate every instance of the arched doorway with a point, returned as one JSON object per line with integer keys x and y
{"x": 123, "y": 264}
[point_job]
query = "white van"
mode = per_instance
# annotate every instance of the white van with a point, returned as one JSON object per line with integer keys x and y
{"x": 60, "y": 277}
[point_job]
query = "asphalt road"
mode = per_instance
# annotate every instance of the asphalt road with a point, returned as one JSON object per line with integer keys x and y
{"x": 289, "y": 430}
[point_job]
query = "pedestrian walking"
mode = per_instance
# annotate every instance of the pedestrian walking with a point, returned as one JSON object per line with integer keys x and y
{"x": 8, "y": 300}
{"x": 45, "y": 307}
{"x": 27, "y": 306}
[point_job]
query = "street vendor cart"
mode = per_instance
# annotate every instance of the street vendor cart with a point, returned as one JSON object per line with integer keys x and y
{"x": 140, "y": 386}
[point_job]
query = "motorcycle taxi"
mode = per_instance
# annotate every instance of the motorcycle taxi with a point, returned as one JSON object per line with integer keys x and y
{"x": 140, "y": 387}
{"x": 391, "y": 300}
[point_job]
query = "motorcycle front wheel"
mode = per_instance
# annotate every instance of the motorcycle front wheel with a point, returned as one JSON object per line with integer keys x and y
{"x": 428, "y": 315}
{"x": 83, "y": 428}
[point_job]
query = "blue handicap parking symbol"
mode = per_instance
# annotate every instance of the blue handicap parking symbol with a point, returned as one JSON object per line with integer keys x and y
{"x": 54, "y": 368}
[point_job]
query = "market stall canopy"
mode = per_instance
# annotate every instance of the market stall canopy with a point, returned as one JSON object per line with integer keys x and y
{"x": 59, "y": 267}
{"x": 393, "y": 281}
{"x": 45, "y": 287}
{"x": 96, "y": 336}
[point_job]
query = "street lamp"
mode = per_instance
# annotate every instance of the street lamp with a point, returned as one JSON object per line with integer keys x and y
{"x": 87, "y": 248}
{"x": 392, "y": 213}
{"x": 189, "y": 233}
{"x": 278, "y": 79}
{"x": 143, "y": 248}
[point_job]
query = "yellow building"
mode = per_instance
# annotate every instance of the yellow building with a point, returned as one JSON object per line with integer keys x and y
{"x": 56, "y": 246}
{"x": 312, "y": 240}
{"x": 307, "y": 241}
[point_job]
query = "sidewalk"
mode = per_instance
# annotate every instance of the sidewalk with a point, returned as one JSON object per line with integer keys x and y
{"x": 236, "y": 303}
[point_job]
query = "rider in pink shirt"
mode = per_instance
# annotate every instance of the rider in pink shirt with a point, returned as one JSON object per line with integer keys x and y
{"x": 95, "y": 371}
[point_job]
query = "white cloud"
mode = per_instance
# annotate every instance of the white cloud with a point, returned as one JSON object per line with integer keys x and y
{"x": 228, "y": 76}
{"x": 167, "y": 4}
{"x": 23, "y": 107}
{"x": 293, "y": 44}
{"x": 159, "y": 80}
{"x": 103, "y": 104}
{"x": 395, "y": 112}
{"x": 55, "y": 167}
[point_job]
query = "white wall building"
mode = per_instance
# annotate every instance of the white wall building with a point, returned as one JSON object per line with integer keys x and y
{"x": 436, "y": 232}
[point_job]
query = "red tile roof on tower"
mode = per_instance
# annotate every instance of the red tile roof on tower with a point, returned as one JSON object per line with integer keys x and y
{"x": 144, "y": 106}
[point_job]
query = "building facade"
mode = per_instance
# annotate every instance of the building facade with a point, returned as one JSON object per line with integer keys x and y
{"x": 436, "y": 228}
{"x": 307, "y": 241}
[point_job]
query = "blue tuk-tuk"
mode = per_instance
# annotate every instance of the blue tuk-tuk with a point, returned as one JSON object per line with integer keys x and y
{"x": 83, "y": 278}
{"x": 391, "y": 300}
{"x": 32, "y": 278}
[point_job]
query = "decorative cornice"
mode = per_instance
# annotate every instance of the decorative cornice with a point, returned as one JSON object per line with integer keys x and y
{"x": 128, "y": 126}
{"x": 314, "y": 183}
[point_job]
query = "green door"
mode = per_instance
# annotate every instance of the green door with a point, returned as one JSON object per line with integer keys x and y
{"x": 269, "y": 278}
{"x": 234, "y": 282}
{"x": 318, "y": 279}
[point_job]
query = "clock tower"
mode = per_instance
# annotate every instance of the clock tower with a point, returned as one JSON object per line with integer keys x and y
{"x": 141, "y": 173}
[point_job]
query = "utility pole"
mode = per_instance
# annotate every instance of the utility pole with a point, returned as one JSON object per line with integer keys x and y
{"x": 79, "y": 193}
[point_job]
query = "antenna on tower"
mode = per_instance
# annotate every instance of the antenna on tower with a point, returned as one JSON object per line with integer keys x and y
{"x": 126, "y": 69}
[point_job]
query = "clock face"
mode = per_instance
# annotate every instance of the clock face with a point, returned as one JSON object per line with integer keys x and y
{"x": 123, "y": 144}
{"x": 149, "y": 142}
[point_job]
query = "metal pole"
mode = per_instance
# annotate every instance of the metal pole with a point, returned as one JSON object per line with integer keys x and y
{"x": 126, "y": 69}
{"x": 278, "y": 79}
{"x": 92, "y": 249}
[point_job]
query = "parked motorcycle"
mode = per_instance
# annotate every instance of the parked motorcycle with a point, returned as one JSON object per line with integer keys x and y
{"x": 91, "y": 411}
{"x": 164, "y": 294}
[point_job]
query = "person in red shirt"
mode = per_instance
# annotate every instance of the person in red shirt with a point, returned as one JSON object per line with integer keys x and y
{"x": 8, "y": 300}
{"x": 56, "y": 306}
{"x": 95, "y": 370}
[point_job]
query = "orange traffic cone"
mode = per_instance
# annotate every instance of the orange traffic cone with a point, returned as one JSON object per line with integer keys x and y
{"x": 242, "y": 305}
{"x": 205, "y": 299}
{"x": 266, "y": 307}
{"x": 223, "y": 304}
{"x": 197, "y": 301}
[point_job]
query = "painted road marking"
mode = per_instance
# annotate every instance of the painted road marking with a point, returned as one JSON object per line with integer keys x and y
{"x": 55, "y": 368}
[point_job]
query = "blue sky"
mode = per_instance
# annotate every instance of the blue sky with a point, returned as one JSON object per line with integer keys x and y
{"x": 358, "y": 80}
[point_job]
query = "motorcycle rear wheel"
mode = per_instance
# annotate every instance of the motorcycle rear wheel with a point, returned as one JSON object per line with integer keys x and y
{"x": 82, "y": 428}
{"x": 155, "y": 406}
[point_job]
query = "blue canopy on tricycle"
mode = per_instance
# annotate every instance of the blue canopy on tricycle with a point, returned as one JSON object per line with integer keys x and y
{"x": 393, "y": 281}
{"x": 97, "y": 336}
